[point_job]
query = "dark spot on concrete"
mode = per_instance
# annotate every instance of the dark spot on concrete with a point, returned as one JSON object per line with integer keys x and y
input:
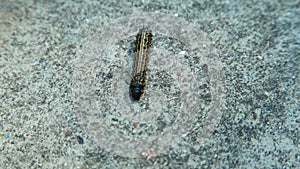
{"x": 80, "y": 140}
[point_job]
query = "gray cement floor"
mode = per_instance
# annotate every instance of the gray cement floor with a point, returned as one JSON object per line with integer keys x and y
{"x": 41, "y": 126}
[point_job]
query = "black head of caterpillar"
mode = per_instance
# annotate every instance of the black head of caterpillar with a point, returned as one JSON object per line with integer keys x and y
{"x": 138, "y": 79}
{"x": 136, "y": 89}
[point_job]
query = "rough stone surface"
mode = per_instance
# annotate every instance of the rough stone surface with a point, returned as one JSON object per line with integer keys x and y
{"x": 257, "y": 41}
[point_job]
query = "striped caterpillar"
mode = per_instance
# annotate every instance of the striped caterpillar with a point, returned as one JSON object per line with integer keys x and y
{"x": 138, "y": 78}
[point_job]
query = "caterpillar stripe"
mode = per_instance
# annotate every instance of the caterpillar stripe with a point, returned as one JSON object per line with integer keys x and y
{"x": 138, "y": 78}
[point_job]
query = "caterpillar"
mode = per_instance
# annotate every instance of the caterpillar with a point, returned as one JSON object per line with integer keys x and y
{"x": 138, "y": 78}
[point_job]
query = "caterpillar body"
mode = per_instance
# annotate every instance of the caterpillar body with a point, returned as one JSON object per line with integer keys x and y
{"x": 138, "y": 78}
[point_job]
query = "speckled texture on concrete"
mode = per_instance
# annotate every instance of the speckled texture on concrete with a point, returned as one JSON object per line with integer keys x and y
{"x": 257, "y": 41}
{"x": 185, "y": 91}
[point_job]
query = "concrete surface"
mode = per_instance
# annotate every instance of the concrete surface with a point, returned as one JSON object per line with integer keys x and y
{"x": 258, "y": 42}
